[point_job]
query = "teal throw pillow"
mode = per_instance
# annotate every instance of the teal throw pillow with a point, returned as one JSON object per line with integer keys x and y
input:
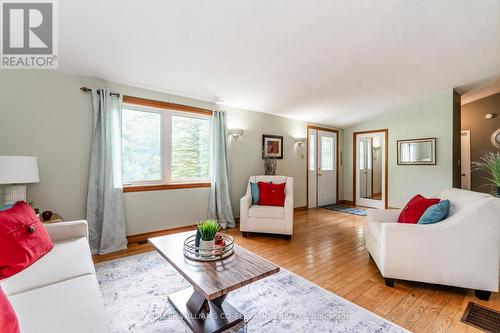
{"x": 5, "y": 207}
{"x": 254, "y": 188}
{"x": 435, "y": 213}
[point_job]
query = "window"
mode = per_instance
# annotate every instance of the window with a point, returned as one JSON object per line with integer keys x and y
{"x": 326, "y": 153}
{"x": 163, "y": 146}
{"x": 141, "y": 146}
{"x": 190, "y": 148}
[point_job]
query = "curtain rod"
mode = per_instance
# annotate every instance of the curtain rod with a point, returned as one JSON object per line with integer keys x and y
{"x": 85, "y": 89}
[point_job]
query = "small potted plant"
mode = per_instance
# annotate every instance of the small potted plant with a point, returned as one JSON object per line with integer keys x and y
{"x": 207, "y": 230}
{"x": 491, "y": 165}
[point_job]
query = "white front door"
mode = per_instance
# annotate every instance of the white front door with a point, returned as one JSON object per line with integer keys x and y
{"x": 465, "y": 159}
{"x": 370, "y": 167}
{"x": 327, "y": 167}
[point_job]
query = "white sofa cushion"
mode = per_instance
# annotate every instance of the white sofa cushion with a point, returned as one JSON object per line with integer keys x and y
{"x": 269, "y": 212}
{"x": 68, "y": 259}
{"x": 460, "y": 198}
{"x": 75, "y": 306}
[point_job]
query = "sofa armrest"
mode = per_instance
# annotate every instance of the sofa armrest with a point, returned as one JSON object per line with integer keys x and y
{"x": 67, "y": 230}
{"x": 383, "y": 215}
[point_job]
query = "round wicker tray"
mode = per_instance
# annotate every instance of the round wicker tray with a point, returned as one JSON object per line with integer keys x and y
{"x": 193, "y": 252}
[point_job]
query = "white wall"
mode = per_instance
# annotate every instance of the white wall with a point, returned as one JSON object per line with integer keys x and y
{"x": 430, "y": 117}
{"x": 43, "y": 113}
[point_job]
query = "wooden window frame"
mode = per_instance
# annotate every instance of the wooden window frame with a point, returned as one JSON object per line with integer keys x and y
{"x": 138, "y": 103}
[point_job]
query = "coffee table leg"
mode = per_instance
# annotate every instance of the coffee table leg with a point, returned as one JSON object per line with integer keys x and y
{"x": 219, "y": 300}
{"x": 202, "y": 315}
{"x": 197, "y": 303}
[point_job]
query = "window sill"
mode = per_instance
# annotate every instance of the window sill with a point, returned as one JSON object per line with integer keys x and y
{"x": 161, "y": 187}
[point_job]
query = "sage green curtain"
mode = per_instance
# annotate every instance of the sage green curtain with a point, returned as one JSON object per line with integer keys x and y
{"x": 105, "y": 214}
{"x": 219, "y": 207}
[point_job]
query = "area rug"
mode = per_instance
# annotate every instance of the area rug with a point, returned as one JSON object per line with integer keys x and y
{"x": 135, "y": 291}
{"x": 347, "y": 210}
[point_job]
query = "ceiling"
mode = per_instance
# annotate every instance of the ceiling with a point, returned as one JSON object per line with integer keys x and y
{"x": 333, "y": 62}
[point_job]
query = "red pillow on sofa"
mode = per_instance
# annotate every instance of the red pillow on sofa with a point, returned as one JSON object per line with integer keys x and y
{"x": 271, "y": 194}
{"x": 415, "y": 208}
{"x": 8, "y": 318}
{"x": 23, "y": 239}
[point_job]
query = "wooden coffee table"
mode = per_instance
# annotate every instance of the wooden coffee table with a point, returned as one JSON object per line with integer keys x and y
{"x": 203, "y": 306}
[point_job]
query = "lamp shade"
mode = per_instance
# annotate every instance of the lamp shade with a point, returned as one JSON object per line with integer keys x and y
{"x": 18, "y": 170}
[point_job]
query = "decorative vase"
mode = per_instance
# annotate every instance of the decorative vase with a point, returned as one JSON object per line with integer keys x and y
{"x": 197, "y": 240}
{"x": 47, "y": 215}
{"x": 270, "y": 167}
{"x": 207, "y": 248}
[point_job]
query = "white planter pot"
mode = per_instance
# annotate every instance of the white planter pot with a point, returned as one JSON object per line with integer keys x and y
{"x": 207, "y": 248}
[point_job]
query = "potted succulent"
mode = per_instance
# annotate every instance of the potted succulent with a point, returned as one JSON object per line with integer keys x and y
{"x": 491, "y": 165}
{"x": 207, "y": 230}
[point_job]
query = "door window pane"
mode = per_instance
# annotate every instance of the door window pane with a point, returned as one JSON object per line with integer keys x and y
{"x": 141, "y": 146}
{"x": 326, "y": 153}
{"x": 190, "y": 148}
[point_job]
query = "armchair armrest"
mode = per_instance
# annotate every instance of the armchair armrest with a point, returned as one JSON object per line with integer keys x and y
{"x": 383, "y": 215}
{"x": 67, "y": 230}
{"x": 289, "y": 197}
{"x": 245, "y": 203}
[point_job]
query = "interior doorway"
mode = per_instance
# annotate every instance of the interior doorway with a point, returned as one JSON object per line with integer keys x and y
{"x": 370, "y": 175}
{"x": 465, "y": 159}
{"x": 322, "y": 166}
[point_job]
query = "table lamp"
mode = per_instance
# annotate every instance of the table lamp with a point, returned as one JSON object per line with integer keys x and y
{"x": 16, "y": 171}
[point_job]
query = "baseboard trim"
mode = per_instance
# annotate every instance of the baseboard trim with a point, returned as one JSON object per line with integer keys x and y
{"x": 300, "y": 209}
{"x": 140, "y": 238}
{"x": 346, "y": 202}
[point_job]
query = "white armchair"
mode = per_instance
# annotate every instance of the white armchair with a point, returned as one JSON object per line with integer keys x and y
{"x": 462, "y": 251}
{"x": 267, "y": 219}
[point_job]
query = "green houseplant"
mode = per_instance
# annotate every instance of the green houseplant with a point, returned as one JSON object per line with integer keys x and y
{"x": 207, "y": 230}
{"x": 490, "y": 163}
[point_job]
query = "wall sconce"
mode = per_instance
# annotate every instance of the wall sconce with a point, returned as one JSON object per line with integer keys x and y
{"x": 300, "y": 141}
{"x": 236, "y": 132}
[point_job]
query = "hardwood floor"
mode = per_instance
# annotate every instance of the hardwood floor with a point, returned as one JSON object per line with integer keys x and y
{"x": 328, "y": 249}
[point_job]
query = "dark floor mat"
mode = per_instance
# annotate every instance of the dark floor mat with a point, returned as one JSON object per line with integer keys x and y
{"x": 482, "y": 317}
{"x": 345, "y": 209}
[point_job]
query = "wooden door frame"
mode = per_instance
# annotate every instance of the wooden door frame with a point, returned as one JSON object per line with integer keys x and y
{"x": 326, "y": 129}
{"x": 461, "y": 161}
{"x": 354, "y": 157}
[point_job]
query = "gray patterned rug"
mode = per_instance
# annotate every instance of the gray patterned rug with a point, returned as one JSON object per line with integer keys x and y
{"x": 135, "y": 290}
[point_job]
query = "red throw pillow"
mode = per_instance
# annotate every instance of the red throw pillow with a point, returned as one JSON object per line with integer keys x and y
{"x": 415, "y": 208}
{"x": 8, "y": 318}
{"x": 271, "y": 194}
{"x": 23, "y": 239}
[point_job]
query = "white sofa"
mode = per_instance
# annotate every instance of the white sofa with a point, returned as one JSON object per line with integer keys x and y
{"x": 59, "y": 292}
{"x": 462, "y": 251}
{"x": 267, "y": 219}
